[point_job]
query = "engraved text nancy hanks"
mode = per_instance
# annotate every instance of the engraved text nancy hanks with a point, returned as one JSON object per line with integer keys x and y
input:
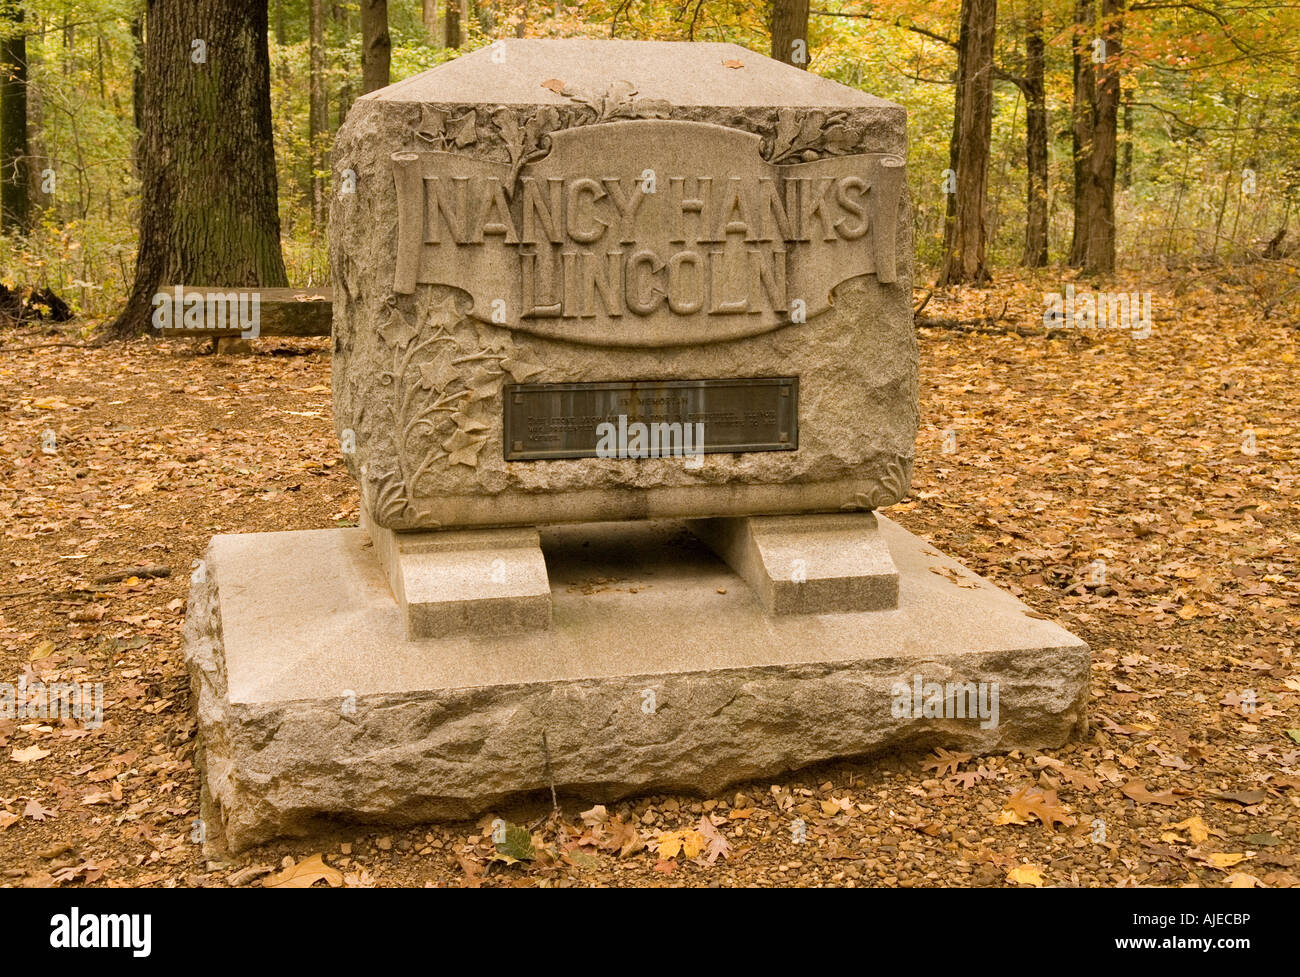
{"x": 646, "y": 233}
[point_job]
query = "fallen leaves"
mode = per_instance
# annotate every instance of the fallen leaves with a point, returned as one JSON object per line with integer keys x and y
{"x": 514, "y": 843}
{"x": 28, "y": 754}
{"x": 1036, "y": 803}
{"x": 945, "y": 762}
{"x": 305, "y": 874}
{"x": 1136, "y": 790}
{"x": 1026, "y": 875}
{"x": 669, "y": 844}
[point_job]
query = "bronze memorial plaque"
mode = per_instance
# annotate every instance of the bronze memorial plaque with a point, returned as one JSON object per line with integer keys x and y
{"x": 650, "y": 418}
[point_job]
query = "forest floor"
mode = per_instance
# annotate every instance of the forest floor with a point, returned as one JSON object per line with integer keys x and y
{"x": 1172, "y": 459}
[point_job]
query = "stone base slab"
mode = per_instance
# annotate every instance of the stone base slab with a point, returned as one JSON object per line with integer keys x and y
{"x": 661, "y": 672}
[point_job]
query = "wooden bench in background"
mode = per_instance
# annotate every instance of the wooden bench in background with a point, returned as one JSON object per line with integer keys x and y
{"x": 296, "y": 312}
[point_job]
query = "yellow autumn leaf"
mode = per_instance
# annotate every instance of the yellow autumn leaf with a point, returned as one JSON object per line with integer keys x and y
{"x": 693, "y": 842}
{"x": 1195, "y": 828}
{"x": 1026, "y": 875}
{"x": 668, "y": 845}
{"x": 830, "y": 808}
{"x": 49, "y": 403}
{"x": 28, "y": 754}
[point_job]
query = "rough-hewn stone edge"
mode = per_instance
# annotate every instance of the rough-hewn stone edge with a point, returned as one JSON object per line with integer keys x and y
{"x": 206, "y": 663}
{"x": 366, "y": 768}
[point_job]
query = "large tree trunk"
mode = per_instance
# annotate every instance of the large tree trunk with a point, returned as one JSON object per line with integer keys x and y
{"x": 376, "y": 48}
{"x": 1035, "y": 140}
{"x": 14, "y": 176}
{"x": 1096, "y": 117}
{"x": 964, "y": 257}
{"x": 208, "y": 208}
{"x": 790, "y": 32}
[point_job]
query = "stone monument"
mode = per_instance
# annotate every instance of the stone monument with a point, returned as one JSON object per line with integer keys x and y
{"x": 623, "y": 363}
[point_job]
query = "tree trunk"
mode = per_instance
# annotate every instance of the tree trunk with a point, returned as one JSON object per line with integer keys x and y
{"x": 436, "y": 25}
{"x": 1096, "y": 118}
{"x": 376, "y": 48}
{"x": 14, "y": 176}
{"x": 964, "y": 258}
{"x": 790, "y": 32}
{"x": 453, "y": 24}
{"x": 208, "y": 208}
{"x": 317, "y": 110}
{"x": 1035, "y": 140}
{"x": 137, "y": 72}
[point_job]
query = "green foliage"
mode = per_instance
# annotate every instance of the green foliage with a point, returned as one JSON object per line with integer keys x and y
{"x": 1206, "y": 102}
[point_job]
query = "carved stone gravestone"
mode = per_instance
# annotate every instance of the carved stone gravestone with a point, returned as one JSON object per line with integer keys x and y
{"x": 623, "y": 365}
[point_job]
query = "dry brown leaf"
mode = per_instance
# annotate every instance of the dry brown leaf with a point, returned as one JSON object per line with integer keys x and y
{"x": 1136, "y": 790}
{"x": 306, "y": 874}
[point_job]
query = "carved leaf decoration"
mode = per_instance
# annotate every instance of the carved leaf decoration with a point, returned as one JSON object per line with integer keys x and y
{"x": 840, "y": 139}
{"x": 433, "y": 125}
{"x": 520, "y": 369}
{"x": 787, "y": 131}
{"x": 387, "y": 492}
{"x": 618, "y": 99}
{"x": 444, "y": 315}
{"x": 652, "y": 108}
{"x": 464, "y": 131}
{"x": 468, "y": 424}
{"x": 811, "y": 128}
{"x": 582, "y": 98}
{"x": 513, "y": 137}
{"x": 888, "y": 490}
{"x": 398, "y": 330}
{"x": 537, "y": 132}
{"x": 463, "y": 448}
{"x": 812, "y": 135}
{"x": 482, "y": 382}
{"x": 437, "y": 375}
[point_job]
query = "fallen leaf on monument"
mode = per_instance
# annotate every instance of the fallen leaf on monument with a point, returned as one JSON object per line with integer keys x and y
{"x": 305, "y": 874}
